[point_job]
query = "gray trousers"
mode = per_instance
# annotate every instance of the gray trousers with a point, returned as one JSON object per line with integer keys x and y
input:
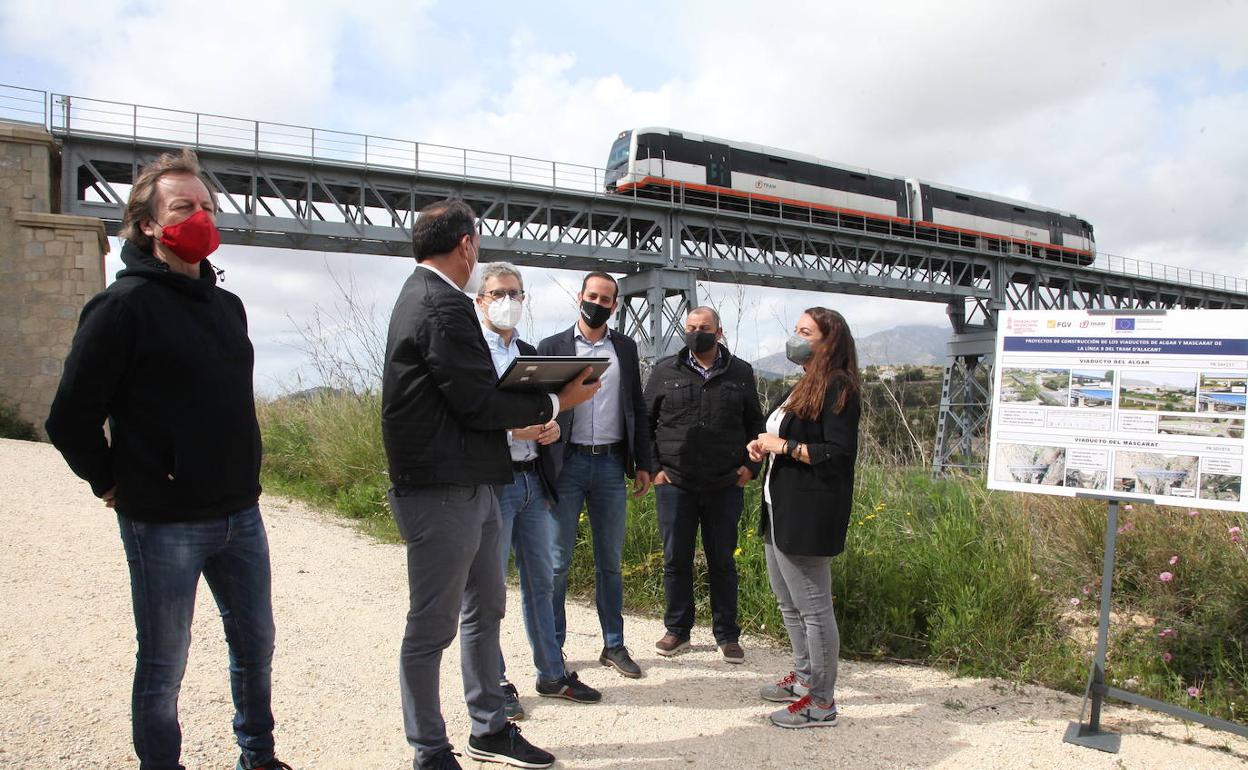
{"x": 454, "y": 581}
{"x": 803, "y": 588}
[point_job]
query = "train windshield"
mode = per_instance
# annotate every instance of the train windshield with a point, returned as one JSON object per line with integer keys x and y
{"x": 619, "y": 150}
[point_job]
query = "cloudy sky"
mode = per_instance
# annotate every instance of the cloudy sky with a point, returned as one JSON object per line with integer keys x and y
{"x": 1131, "y": 114}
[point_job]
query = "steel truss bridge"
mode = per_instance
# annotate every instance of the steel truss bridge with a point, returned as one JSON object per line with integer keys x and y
{"x": 294, "y": 187}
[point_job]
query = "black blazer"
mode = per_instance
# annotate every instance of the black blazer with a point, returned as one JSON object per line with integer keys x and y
{"x": 545, "y": 460}
{"x": 632, "y": 403}
{"x": 442, "y": 416}
{"x": 810, "y": 504}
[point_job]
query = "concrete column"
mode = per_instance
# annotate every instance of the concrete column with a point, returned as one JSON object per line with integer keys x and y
{"x": 50, "y": 265}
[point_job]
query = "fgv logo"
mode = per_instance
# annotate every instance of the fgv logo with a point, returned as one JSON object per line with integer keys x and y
{"x": 1124, "y": 324}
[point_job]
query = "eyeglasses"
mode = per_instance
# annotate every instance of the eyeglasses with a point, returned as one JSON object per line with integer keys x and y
{"x": 500, "y": 293}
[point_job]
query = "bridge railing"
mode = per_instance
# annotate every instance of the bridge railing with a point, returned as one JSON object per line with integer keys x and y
{"x": 23, "y": 105}
{"x": 66, "y": 115}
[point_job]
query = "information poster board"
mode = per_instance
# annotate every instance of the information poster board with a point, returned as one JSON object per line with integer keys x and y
{"x": 1133, "y": 405}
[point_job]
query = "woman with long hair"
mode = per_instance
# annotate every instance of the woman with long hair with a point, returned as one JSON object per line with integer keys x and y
{"x": 812, "y": 445}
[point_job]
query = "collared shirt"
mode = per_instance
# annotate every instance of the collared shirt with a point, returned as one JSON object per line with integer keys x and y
{"x": 719, "y": 363}
{"x": 599, "y": 420}
{"x": 440, "y": 274}
{"x": 503, "y": 354}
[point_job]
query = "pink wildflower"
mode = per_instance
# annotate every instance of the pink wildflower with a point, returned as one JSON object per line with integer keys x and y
{"x": 1166, "y": 633}
{"x": 1074, "y": 601}
{"x": 1193, "y": 512}
{"x": 1128, "y": 507}
{"x": 1087, "y": 590}
{"x": 1174, "y": 560}
{"x": 1165, "y": 577}
{"x": 1193, "y": 692}
{"x": 1233, "y": 530}
{"x": 1167, "y": 657}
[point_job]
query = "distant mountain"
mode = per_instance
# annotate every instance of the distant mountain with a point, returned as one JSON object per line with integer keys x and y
{"x": 912, "y": 344}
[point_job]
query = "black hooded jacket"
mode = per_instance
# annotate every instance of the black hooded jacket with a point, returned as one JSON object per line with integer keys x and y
{"x": 166, "y": 360}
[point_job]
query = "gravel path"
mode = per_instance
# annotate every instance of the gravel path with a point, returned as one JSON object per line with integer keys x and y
{"x": 67, "y": 648}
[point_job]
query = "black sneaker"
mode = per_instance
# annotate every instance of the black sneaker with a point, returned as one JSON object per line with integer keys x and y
{"x": 509, "y": 747}
{"x": 443, "y": 760}
{"x": 272, "y": 764}
{"x": 569, "y": 687}
{"x": 619, "y": 659}
{"x": 511, "y": 702}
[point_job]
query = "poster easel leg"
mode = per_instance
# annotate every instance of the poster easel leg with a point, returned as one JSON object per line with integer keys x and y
{"x": 1091, "y": 735}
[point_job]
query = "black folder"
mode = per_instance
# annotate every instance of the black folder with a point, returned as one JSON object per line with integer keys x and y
{"x": 548, "y": 374}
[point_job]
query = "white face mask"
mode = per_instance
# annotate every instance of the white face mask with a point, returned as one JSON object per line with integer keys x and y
{"x": 473, "y": 286}
{"x": 505, "y": 313}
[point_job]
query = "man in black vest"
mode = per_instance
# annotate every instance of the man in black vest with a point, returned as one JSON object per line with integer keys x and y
{"x": 444, "y": 425}
{"x": 603, "y": 440}
{"x": 703, "y": 407}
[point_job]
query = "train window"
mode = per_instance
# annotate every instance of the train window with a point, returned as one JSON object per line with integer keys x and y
{"x": 857, "y": 176}
{"x": 781, "y": 161}
{"x": 1020, "y": 209}
{"x": 962, "y": 197}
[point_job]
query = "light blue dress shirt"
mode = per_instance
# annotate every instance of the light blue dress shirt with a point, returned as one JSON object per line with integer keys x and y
{"x": 503, "y": 354}
{"x": 599, "y": 420}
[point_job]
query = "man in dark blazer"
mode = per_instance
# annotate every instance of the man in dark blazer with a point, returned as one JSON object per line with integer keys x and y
{"x": 603, "y": 440}
{"x": 444, "y": 427}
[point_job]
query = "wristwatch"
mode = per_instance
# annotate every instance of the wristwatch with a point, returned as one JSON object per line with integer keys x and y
{"x": 790, "y": 446}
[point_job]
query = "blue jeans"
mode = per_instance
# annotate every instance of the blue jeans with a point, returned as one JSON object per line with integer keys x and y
{"x": 166, "y": 560}
{"x": 597, "y": 482}
{"x": 527, "y": 528}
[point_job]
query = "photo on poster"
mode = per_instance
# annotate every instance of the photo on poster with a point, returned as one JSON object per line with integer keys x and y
{"x": 1044, "y": 387}
{"x": 1205, "y": 427}
{"x": 1029, "y": 464}
{"x": 1092, "y": 388}
{"x": 1223, "y": 393}
{"x": 1218, "y": 486}
{"x": 1082, "y": 478}
{"x": 1157, "y": 391}
{"x": 1152, "y": 473}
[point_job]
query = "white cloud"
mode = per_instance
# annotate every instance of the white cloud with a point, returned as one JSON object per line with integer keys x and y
{"x": 1128, "y": 113}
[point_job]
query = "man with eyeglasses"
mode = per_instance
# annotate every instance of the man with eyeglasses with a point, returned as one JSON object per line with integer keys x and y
{"x": 527, "y": 528}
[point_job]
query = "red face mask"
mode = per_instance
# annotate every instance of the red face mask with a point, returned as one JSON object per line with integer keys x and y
{"x": 193, "y": 238}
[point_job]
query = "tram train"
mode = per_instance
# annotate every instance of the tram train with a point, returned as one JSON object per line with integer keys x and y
{"x": 704, "y": 170}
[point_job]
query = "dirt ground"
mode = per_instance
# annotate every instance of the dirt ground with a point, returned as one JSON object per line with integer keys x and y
{"x": 67, "y": 651}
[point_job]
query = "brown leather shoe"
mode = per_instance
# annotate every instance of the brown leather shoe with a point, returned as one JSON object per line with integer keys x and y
{"x": 671, "y": 644}
{"x": 732, "y": 652}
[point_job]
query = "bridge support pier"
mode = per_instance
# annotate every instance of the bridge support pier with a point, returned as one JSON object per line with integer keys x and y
{"x": 653, "y": 306}
{"x": 50, "y": 265}
{"x": 966, "y": 392}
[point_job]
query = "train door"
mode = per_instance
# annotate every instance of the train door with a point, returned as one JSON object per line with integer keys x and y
{"x": 914, "y": 201}
{"x": 718, "y": 168}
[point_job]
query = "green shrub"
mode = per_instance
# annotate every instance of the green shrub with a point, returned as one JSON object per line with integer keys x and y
{"x": 13, "y": 426}
{"x": 937, "y": 572}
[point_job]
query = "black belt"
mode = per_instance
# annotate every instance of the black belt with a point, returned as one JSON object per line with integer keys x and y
{"x": 598, "y": 449}
{"x": 524, "y": 466}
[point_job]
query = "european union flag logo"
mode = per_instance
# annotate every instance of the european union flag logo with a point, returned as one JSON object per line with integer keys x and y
{"x": 1124, "y": 324}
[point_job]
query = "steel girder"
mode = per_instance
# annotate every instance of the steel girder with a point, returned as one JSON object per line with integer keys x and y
{"x": 285, "y": 201}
